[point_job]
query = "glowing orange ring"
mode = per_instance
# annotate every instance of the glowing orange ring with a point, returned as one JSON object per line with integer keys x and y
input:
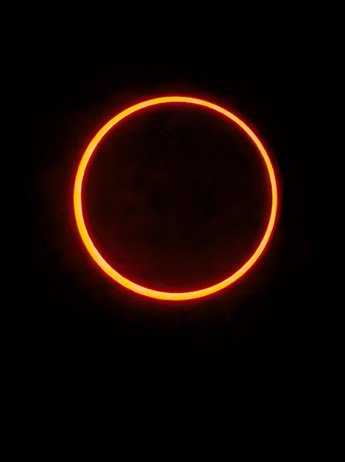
{"x": 102, "y": 263}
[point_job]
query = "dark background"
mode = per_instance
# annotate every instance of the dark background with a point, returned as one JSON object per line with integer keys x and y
{"x": 77, "y": 321}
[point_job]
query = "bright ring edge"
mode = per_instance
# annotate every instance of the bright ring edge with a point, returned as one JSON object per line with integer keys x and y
{"x": 104, "y": 265}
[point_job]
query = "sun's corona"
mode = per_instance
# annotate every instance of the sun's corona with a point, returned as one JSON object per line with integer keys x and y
{"x": 100, "y": 260}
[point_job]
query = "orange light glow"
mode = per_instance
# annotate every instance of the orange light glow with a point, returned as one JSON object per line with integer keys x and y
{"x": 99, "y": 259}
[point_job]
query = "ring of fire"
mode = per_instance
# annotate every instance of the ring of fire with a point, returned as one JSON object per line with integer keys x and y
{"x": 98, "y": 258}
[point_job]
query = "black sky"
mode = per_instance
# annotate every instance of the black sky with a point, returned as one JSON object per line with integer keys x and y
{"x": 76, "y": 318}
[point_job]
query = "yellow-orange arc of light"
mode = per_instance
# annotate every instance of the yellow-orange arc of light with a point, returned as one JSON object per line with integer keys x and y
{"x": 100, "y": 260}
